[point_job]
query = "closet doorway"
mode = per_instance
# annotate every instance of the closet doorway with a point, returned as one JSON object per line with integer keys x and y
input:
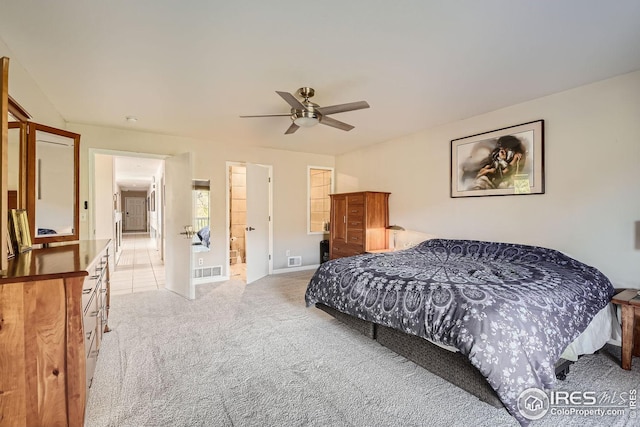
{"x": 237, "y": 221}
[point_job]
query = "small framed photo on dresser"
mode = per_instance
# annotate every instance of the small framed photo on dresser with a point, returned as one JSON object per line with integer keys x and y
{"x": 19, "y": 230}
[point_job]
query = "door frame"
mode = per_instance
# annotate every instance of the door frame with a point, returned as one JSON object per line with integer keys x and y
{"x": 228, "y": 165}
{"x": 90, "y": 218}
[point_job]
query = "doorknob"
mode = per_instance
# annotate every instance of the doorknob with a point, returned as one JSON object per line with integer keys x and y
{"x": 188, "y": 231}
{"x": 249, "y": 229}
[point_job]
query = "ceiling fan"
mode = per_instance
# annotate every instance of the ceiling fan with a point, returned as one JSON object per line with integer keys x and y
{"x": 306, "y": 114}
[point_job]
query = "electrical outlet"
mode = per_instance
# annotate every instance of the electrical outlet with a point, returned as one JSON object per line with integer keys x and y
{"x": 200, "y": 261}
{"x": 288, "y": 252}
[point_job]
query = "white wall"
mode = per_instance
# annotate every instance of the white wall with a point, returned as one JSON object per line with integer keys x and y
{"x": 289, "y": 184}
{"x": 592, "y": 174}
{"x": 26, "y": 92}
{"x": 103, "y": 185}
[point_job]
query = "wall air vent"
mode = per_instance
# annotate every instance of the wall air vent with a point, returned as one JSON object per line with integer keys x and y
{"x": 203, "y": 272}
{"x": 294, "y": 261}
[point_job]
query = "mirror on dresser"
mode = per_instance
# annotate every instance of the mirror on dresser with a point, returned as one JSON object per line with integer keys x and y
{"x": 43, "y": 176}
{"x": 52, "y": 183}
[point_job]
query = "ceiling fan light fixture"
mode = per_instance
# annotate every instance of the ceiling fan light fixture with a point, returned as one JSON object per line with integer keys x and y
{"x": 306, "y": 122}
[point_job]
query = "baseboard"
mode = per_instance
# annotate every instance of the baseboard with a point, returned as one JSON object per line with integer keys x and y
{"x": 292, "y": 269}
{"x": 206, "y": 280}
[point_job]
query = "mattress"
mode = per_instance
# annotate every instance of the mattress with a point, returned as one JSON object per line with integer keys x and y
{"x": 603, "y": 328}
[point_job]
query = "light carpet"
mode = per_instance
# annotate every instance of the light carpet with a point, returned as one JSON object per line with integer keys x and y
{"x": 254, "y": 355}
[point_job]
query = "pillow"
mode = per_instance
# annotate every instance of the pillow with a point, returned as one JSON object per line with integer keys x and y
{"x": 408, "y": 238}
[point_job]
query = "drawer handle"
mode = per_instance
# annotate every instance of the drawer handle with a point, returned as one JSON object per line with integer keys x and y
{"x": 94, "y": 353}
{"x": 103, "y": 290}
{"x": 354, "y": 238}
{"x": 89, "y": 335}
{"x": 94, "y": 313}
{"x": 87, "y": 291}
{"x": 94, "y": 277}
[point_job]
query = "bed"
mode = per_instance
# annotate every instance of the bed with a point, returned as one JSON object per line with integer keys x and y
{"x": 507, "y": 310}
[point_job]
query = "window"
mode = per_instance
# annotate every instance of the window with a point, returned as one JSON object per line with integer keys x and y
{"x": 319, "y": 186}
{"x": 201, "y": 212}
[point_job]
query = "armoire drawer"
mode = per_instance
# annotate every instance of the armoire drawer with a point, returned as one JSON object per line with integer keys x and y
{"x": 340, "y": 251}
{"x": 355, "y": 224}
{"x": 355, "y": 237}
{"x": 355, "y": 212}
{"x": 356, "y": 199}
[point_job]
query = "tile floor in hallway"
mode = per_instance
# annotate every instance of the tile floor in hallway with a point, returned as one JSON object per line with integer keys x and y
{"x": 139, "y": 267}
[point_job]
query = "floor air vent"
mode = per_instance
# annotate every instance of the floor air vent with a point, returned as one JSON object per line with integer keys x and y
{"x": 203, "y": 272}
{"x": 294, "y": 261}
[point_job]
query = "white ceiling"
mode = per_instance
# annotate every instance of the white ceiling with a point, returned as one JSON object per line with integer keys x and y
{"x": 135, "y": 173}
{"x": 191, "y": 68}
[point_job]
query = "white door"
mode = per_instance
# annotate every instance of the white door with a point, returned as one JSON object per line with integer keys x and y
{"x": 258, "y": 222}
{"x": 178, "y": 214}
{"x": 134, "y": 214}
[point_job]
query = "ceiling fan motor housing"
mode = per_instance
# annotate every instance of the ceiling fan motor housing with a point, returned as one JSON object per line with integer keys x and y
{"x": 306, "y": 92}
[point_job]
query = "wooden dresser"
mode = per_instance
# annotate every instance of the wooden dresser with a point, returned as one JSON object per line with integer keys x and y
{"x": 358, "y": 223}
{"x": 54, "y": 305}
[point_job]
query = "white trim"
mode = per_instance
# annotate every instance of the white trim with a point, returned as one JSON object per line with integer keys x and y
{"x": 206, "y": 280}
{"x": 292, "y": 269}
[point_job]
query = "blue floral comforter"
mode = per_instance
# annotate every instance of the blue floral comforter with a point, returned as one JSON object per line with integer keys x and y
{"x": 511, "y": 309}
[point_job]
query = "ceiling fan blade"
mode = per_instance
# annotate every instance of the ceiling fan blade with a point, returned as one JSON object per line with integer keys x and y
{"x": 291, "y": 100}
{"x": 294, "y": 127}
{"x": 267, "y": 115}
{"x": 335, "y": 123}
{"x": 341, "y": 108}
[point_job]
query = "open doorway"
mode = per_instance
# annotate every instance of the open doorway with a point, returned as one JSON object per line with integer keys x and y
{"x": 249, "y": 219}
{"x": 127, "y": 205}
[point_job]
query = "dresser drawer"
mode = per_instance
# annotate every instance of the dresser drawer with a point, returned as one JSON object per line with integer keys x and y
{"x": 92, "y": 357}
{"x": 90, "y": 321}
{"x": 88, "y": 289}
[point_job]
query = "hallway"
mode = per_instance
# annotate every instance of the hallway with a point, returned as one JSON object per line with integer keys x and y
{"x": 139, "y": 267}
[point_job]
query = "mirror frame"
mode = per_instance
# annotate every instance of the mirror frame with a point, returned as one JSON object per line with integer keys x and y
{"x": 22, "y": 166}
{"x": 31, "y": 183}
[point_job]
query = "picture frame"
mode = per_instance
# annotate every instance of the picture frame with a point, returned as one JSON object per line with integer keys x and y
{"x": 19, "y": 230}
{"x": 506, "y": 161}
